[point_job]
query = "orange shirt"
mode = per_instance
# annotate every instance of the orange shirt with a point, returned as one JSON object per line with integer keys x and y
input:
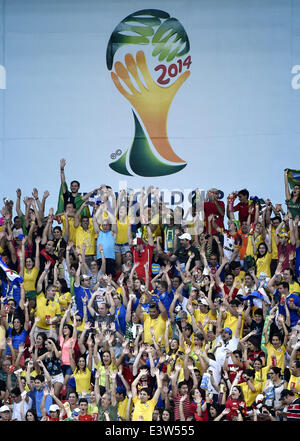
{"x": 243, "y": 247}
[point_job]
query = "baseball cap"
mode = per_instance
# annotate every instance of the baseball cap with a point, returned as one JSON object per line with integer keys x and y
{"x": 4, "y": 408}
{"x": 85, "y": 277}
{"x": 228, "y": 330}
{"x": 186, "y": 236}
{"x": 53, "y": 408}
{"x": 203, "y": 301}
{"x": 21, "y": 236}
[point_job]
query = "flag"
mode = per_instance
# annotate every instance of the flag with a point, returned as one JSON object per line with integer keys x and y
{"x": 77, "y": 201}
{"x": 13, "y": 276}
{"x": 254, "y": 294}
{"x": 293, "y": 177}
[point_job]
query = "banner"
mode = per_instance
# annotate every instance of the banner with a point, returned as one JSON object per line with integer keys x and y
{"x": 178, "y": 95}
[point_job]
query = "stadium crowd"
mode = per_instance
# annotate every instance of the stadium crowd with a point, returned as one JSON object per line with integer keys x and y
{"x": 119, "y": 308}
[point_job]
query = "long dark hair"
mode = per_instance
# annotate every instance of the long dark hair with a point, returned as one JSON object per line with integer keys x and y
{"x": 13, "y": 331}
{"x": 259, "y": 256}
{"x": 33, "y": 413}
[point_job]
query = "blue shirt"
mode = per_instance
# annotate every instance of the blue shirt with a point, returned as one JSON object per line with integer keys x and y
{"x": 16, "y": 339}
{"x": 38, "y": 395}
{"x": 11, "y": 290}
{"x": 166, "y": 298}
{"x": 120, "y": 321}
{"x": 294, "y": 317}
{"x": 81, "y": 292}
{"x": 107, "y": 240}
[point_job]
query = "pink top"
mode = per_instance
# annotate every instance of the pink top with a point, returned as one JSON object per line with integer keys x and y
{"x": 65, "y": 358}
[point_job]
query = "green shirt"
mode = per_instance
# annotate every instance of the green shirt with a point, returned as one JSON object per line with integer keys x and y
{"x": 112, "y": 411}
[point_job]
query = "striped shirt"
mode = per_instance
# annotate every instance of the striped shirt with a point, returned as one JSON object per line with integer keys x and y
{"x": 293, "y": 411}
{"x": 186, "y": 407}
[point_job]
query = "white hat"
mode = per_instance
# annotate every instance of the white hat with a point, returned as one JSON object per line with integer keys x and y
{"x": 4, "y": 408}
{"x": 53, "y": 408}
{"x": 186, "y": 236}
{"x": 204, "y": 302}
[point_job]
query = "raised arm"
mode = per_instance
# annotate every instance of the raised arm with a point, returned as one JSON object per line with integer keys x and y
{"x": 286, "y": 185}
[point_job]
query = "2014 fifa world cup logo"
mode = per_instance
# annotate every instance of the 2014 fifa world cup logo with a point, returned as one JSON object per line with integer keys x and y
{"x": 136, "y": 46}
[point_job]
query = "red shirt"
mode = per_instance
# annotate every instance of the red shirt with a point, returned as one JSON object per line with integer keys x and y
{"x": 243, "y": 210}
{"x": 85, "y": 417}
{"x": 211, "y": 208}
{"x": 234, "y": 405}
{"x": 233, "y": 369}
{"x": 227, "y": 290}
{"x": 194, "y": 411}
{"x": 143, "y": 257}
{"x": 187, "y": 411}
{"x": 285, "y": 251}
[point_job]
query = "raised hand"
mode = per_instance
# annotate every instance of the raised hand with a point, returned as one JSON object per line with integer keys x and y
{"x": 62, "y": 163}
{"x": 147, "y": 99}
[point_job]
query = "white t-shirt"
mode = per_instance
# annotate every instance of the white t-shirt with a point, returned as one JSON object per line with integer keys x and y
{"x": 17, "y": 409}
{"x": 216, "y": 368}
{"x": 220, "y": 353}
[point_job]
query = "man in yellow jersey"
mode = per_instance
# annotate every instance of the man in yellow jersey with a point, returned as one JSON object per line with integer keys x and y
{"x": 69, "y": 232}
{"x": 156, "y": 319}
{"x": 231, "y": 316}
{"x": 47, "y": 307}
{"x": 143, "y": 405}
{"x": 276, "y": 348}
{"x": 85, "y": 234}
{"x": 275, "y": 221}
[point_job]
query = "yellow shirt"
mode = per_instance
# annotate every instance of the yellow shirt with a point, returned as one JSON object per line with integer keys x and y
{"x": 42, "y": 309}
{"x": 263, "y": 265}
{"x": 122, "y": 231}
{"x": 279, "y": 354}
{"x": 30, "y": 278}
{"x": 143, "y": 409}
{"x": 100, "y": 367}
{"x": 295, "y": 380}
{"x": 88, "y": 237}
{"x": 32, "y": 374}
{"x": 274, "y": 244}
{"x": 231, "y": 322}
{"x": 200, "y": 316}
{"x": 249, "y": 396}
{"x": 258, "y": 240}
{"x": 156, "y": 233}
{"x": 83, "y": 380}
{"x": 122, "y": 408}
{"x": 294, "y": 287}
{"x": 239, "y": 279}
{"x": 64, "y": 300}
{"x": 261, "y": 378}
{"x": 159, "y": 325}
{"x": 72, "y": 231}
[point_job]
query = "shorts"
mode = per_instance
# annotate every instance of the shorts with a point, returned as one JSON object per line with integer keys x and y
{"x": 122, "y": 248}
{"x": 67, "y": 370}
{"x": 30, "y": 295}
{"x": 59, "y": 378}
